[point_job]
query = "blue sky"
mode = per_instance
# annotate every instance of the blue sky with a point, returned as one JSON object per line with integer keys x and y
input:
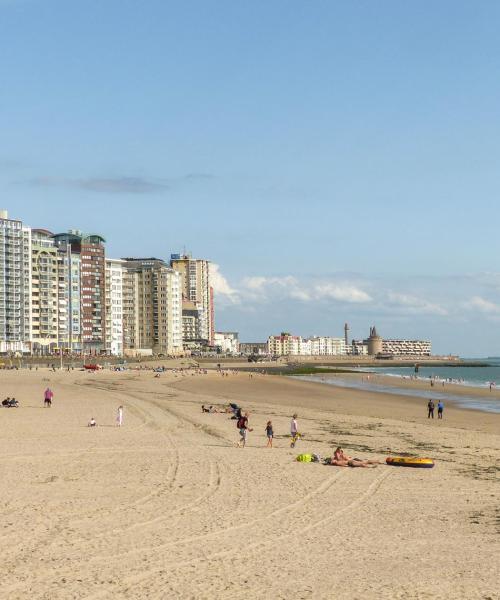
{"x": 337, "y": 160}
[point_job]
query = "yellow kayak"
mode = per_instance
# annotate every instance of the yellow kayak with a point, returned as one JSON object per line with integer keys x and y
{"x": 401, "y": 461}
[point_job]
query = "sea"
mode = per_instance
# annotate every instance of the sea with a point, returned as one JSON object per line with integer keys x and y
{"x": 471, "y": 376}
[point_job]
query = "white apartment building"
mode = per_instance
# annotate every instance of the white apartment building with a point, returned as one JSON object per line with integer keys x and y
{"x": 407, "y": 347}
{"x": 114, "y": 274}
{"x": 15, "y": 285}
{"x": 328, "y": 346}
{"x": 227, "y": 341}
{"x": 293, "y": 345}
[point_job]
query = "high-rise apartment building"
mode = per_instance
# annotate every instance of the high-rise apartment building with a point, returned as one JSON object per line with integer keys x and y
{"x": 114, "y": 306}
{"x": 45, "y": 309}
{"x": 152, "y": 307}
{"x": 89, "y": 268}
{"x": 15, "y": 285}
{"x": 197, "y": 300}
{"x": 93, "y": 278}
{"x": 69, "y": 267}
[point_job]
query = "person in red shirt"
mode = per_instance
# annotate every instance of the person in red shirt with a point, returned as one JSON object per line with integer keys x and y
{"x": 242, "y": 425}
{"x": 48, "y": 395}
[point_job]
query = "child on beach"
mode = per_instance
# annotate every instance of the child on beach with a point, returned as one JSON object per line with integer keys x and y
{"x": 270, "y": 434}
{"x": 119, "y": 416}
{"x": 294, "y": 431}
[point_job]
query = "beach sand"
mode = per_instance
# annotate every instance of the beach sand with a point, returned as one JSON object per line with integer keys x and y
{"x": 167, "y": 507}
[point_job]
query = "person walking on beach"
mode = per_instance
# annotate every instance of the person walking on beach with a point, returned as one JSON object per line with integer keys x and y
{"x": 242, "y": 425}
{"x": 47, "y": 397}
{"x": 294, "y": 431}
{"x": 440, "y": 409}
{"x": 430, "y": 409}
{"x": 119, "y": 416}
{"x": 270, "y": 434}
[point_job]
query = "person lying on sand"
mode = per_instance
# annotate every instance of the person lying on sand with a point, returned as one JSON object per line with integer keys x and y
{"x": 352, "y": 463}
{"x": 341, "y": 459}
{"x": 339, "y": 454}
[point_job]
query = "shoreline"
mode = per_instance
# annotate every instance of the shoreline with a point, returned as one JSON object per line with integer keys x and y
{"x": 469, "y": 398}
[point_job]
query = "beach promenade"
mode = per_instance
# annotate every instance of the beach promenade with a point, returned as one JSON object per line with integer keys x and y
{"x": 167, "y": 507}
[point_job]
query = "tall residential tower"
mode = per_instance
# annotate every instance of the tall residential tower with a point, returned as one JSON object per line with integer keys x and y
{"x": 151, "y": 307}
{"x": 15, "y": 285}
{"x": 197, "y": 300}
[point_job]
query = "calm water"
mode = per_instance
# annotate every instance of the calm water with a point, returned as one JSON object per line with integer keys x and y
{"x": 470, "y": 376}
{"x": 473, "y": 376}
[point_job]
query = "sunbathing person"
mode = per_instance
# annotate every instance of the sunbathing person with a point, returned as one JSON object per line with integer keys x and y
{"x": 351, "y": 463}
{"x": 341, "y": 459}
{"x": 340, "y": 455}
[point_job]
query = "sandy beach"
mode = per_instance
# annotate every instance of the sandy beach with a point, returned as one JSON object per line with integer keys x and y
{"x": 167, "y": 507}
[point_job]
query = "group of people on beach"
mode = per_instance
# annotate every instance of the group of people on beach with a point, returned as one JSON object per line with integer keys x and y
{"x": 244, "y": 429}
{"x": 242, "y": 424}
{"x": 339, "y": 458}
{"x": 119, "y": 418}
{"x": 10, "y": 403}
{"x": 431, "y": 406}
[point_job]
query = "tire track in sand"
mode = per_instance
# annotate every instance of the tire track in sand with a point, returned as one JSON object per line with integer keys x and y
{"x": 247, "y": 548}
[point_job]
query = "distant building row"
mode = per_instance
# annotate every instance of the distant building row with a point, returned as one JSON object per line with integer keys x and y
{"x": 286, "y": 344}
{"x": 294, "y": 345}
{"x": 59, "y": 292}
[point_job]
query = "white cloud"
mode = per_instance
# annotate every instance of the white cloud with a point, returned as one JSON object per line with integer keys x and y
{"x": 484, "y": 306}
{"x": 263, "y": 288}
{"x": 341, "y": 292}
{"x": 221, "y": 286}
{"x": 415, "y": 305}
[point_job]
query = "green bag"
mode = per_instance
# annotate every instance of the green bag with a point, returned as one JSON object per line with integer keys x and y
{"x": 304, "y": 457}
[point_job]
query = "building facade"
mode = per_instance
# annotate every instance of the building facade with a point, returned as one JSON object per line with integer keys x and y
{"x": 114, "y": 276}
{"x": 82, "y": 258}
{"x": 358, "y": 348}
{"x": 152, "y": 307}
{"x": 294, "y": 345}
{"x": 328, "y": 346}
{"x": 254, "y": 348}
{"x": 45, "y": 290}
{"x": 227, "y": 342}
{"x": 15, "y": 285}
{"x": 69, "y": 279}
{"x": 197, "y": 300}
{"x": 407, "y": 347}
{"x": 92, "y": 283}
{"x": 284, "y": 344}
